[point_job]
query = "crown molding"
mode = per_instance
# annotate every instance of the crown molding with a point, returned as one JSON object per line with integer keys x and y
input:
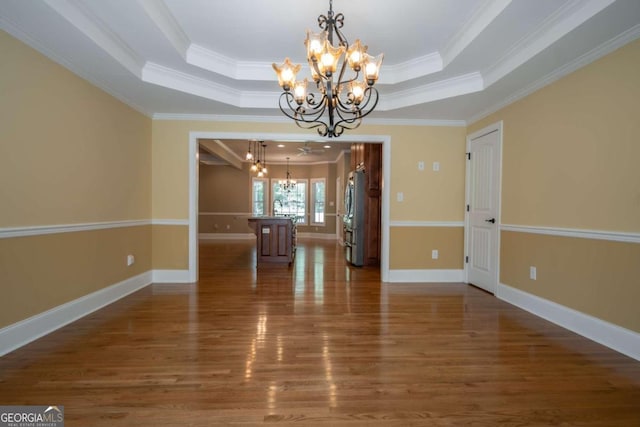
{"x": 460, "y": 85}
{"x": 91, "y": 26}
{"x": 187, "y": 83}
{"x": 283, "y": 119}
{"x": 585, "y": 59}
{"x": 16, "y": 32}
{"x": 412, "y": 69}
{"x": 564, "y": 20}
{"x": 478, "y": 22}
{"x": 220, "y": 118}
{"x": 160, "y": 15}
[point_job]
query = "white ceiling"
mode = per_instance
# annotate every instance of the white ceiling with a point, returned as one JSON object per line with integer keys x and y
{"x": 276, "y": 152}
{"x": 446, "y": 61}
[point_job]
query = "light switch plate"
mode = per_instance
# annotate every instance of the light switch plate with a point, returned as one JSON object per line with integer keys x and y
{"x": 400, "y": 196}
{"x": 436, "y": 166}
{"x": 420, "y": 165}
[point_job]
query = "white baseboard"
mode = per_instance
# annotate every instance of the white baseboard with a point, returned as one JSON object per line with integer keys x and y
{"x": 426, "y": 276}
{"x": 613, "y": 336}
{"x": 226, "y": 236}
{"x": 28, "y": 330}
{"x": 323, "y": 236}
{"x": 171, "y": 276}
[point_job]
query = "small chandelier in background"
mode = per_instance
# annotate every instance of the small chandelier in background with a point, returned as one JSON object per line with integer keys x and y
{"x": 346, "y": 100}
{"x": 289, "y": 184}
{"x": 259, "y": 151}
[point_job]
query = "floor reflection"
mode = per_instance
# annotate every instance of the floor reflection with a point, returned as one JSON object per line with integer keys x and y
{"x": 247, "y": 346}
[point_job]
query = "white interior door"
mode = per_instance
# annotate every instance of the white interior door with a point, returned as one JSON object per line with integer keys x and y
{"x": 483, "y": 199}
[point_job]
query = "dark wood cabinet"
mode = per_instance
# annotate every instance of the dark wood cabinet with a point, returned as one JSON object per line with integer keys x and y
{"x": 369, "y": 157}
{"x": 275, "y": 239}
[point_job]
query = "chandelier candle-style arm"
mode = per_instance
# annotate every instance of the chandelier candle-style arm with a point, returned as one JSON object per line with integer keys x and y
{"x": 344, "y": 77}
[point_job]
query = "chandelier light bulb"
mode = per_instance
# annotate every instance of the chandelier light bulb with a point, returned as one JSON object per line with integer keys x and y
{"x": 286, "y": 73}
{"x": 315, "y": 45}
{"x": 372, "y": 68}
{"x": 357, "y": 92}
{"x": 300, "y": 91}
{"x": 327, "y": 60}
{"x": 355, "y": 55}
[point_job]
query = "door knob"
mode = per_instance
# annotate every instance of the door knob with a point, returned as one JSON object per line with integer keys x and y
{"x": 492, "y": 220}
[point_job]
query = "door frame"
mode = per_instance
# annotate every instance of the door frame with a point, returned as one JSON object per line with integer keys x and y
{"x": 339, "y": 202}
{"x": 498, "y": 126}
{"x": 193, "y": 168}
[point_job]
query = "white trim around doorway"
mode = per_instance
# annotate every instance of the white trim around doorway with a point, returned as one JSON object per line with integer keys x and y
{"x": 194, "y": 136}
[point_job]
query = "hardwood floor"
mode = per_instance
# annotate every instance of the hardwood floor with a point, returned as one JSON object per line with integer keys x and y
{"x": 318, "y": 343}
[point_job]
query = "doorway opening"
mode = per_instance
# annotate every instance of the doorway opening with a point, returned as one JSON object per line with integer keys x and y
{"x": 194, "y": 178}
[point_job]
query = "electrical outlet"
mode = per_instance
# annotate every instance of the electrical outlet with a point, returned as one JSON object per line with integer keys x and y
{"x": 400, "y": 196}
{"x": 420, "y": 165}
{"x": 436, "y": 166}
{"x": 228, "y": 227}
{"x": 434, "y": 254}
{"x": 130, "y": 260}
{"x": 532, "y": 273}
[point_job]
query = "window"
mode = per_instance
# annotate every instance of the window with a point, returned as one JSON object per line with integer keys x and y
{"x": 292, "y": 202}
{"x": 317, "y": 201}
{"x": 259, "y": 197}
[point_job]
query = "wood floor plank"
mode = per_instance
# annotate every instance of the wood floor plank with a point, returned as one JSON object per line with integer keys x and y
{"x": 318, "y": 343}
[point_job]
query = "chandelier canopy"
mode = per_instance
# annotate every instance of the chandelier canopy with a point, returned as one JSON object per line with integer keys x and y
{"x": 346, "y": 96}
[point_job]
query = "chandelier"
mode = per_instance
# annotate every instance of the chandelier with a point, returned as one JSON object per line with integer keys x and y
{"x": 259, "y": 150}
{"x": 346, "y": 100}
{"x": 287, "y": 184}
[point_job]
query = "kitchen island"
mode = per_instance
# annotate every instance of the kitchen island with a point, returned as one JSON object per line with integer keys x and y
{"x": 275, "y": 238}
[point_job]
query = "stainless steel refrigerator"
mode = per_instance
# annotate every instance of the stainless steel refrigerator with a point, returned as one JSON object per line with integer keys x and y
{"x": 354, "y": 218}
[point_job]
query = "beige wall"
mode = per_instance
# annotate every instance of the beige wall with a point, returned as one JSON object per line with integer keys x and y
{"x": 225, "y": 196}
{"x": 429, "y": 196}
{"x": 571, "y": 149}
{"x": 449, "y": 241}
{"x": 170, "y": 243}
{"x": 69, "y": 154}
{"x": 597, "y": 277}
{"x": 570, "y": 161}
{"x": 224, "y": 189}
{"x": 42, "y": 272}
{"x": 72, "y": 154}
